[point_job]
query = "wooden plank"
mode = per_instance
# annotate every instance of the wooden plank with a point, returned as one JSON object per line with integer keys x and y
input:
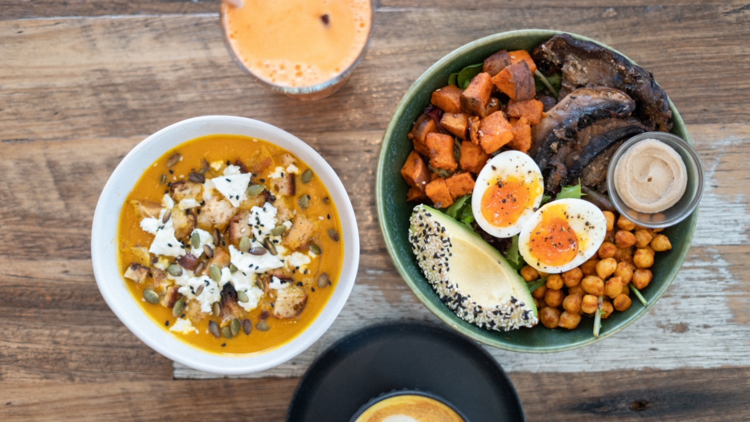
{"x": 29, "y": 9}
{"x": 133, "y": 75}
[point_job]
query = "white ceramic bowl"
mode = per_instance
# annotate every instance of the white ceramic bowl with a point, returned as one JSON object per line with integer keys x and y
{"x": 112, "y": 284}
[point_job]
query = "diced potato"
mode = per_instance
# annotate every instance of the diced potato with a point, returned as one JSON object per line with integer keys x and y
{"x": 447, "y": 98}
{"x": 530, "y": 109}
{"x": 418, "y": 134}
{"x": 441, "y": 151}
{"x": 415, "y": 171}
{"x": 439, "y": 194}
{"x": 521, "y": 134}
{"x": 497, "y": 62}
{"x": 473, "y": 157}
{"x": 494, "y": 132}
{"x": 476, "y": 96}
{"x": 518, "y": 55}
{"x": 460, "y": 184}
{"x": 516, "y": 81}
{"x": 455, "y": 123}
{"x": 474, "y": 122}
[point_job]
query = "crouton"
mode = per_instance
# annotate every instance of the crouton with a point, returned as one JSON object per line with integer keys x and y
{"x": 455, "y": 123}
{"x": 518, "y": 55}
{"x": 238, "y": 227}
{"x": 521, "y": 134}
{"x": 473, "y": 157}
{"x": 496, "y": 62}
{"x": 441, "y": 151}
{"x": 300, "y": 234}
{"x": 261, "y": 160}
{"x": 283, "y": 211}
{"x": 438, "y": 192}
{"x": 285, "y": 185}
{"x": 185, "y": 189}
{"x": 476, "y": 96}
{"x": 243, "y": 168}
{"x": 137, "y": 273}
{"x": 447, "y": 98}
{"x": 494, "y": 132}
{"x": 492, "y": 106}
{"x": 415, "y": 171}
{"x": 287, "y": 159}
{"x": 474, "y": 129}
{"x": 418, "y": 134}
{"x": 142, "y": 254}
{"x": 184, "y": 223}
{"x": 516, "y": 81}
{"x": 216, "y": 212}
{"x": 530, "y": 109}
{"x": 170, "y": 297}
{"x": 229, "y": 307}
{"x": 460, "y": 184}
{"x": 415, "y": 195}
{"x": 290, "y": 301}
{"x": 146, "y": 209}
{"x": 193, "y": 311}
{"x": 221, "y": 259}
{"x": 187, "y": 261}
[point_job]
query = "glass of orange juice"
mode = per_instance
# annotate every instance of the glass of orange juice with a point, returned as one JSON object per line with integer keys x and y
{"x": 306, "y": 49}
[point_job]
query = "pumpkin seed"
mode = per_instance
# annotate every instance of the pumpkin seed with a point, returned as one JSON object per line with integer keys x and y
{"x": 213, "y": 327}
{"x": 163, "y": 179}
{"x": 227, "y": 332}
{"x": 208, "y": 251}
{"x": 315, "y": 249}
{"x": 196, "y": 177}
{"x": 151, "y": 296}
{"x": 258, "y": 250}
{"x": 215, "y": 273}
{"x": 195, "y": 240}
{"x": 262, "y": 326}
{"x": 217, "y": 237}
{"x": 199, "y": 290}
{"x": 333, "y": 234}
{"x": 235, "y": 327}
{"x": 270, "y": 246}
{"x": 232, "y": 268}
{"x": 304, "y": 201}
{"x": 166, "y": 216}
{"x": 247, "y": 326}
{"x": 200, "y": 267}
{"x": 307, "y": 176}
{"x": 255, "y": 190}
{"x": 242, "y": 296}
{"x": 174, "y": 159}
{"x": 323, "y": 280}
{"x": 216, "y": 310}
{"x": 174, "y": 270}
{"x": 245, "y": 244}
{"x": 178, "y": 308}
{"x": 278, "y": 230}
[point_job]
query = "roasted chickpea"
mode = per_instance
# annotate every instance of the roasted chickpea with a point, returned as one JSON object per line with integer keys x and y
{"x": 593, "y": 285}
{"x": 610, "y": 216}
{"x": 625, "y": 224}
{"x": 661, "y": 243}
{"x": 539, "y": 292}
{"x": 624, "y": 255}
{"x": 607, "y": 309}
{"x": 589, "y": 304}
{"x": 643, "y": 258}
{"x": 569, "y": 320}
{"x": 622, "y": 302}
{"x": 555, "y": 282}
{"x": 624, "y": 239}
{"x": 643, "y": 238}
{"x": 589, "y": 267}
{"x": 553, "y": 298}
{"x": 607, "y": 250}
{"x": 613, "y": 287}
{"x": 626, "y": 290}
{"x": 529, "y": 273}
{"x": 624, "y": 271}
{"x": 606, "y": 267}
{"x": 641, "y": 278}
{"x": 572, "y": 303}
{"x": 550, "y": 317}
{"x": 573, "y": 277}
{"x": 576, "y": 290}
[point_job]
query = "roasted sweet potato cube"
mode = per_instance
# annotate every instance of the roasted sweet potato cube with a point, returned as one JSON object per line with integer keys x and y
{"x": 516, "y": 81}
{"x": 418, "y": 134}
{"x": 473, "y": 157}
{"x": 476, "y": 96}
{"x": 300, "y": 234}
{"x": 474, "y": 129}
{"x": 521, "y": 134}
{"x": 415, "y": 195}
{"x": 492, "y": 106}
{"x": 496, "y": 62}
{"x": 518, "y": 55}
{"x": 439, "y": 194}
{"x": 415, "y": 171}
{"x": 447, "y": 98}
{"x": 441, "y": 151}
{"x": 460, "y": 184}
{"x": 530, "y": 109}
{"x": 494, "y": 132}
{"x": 455, "y": 123}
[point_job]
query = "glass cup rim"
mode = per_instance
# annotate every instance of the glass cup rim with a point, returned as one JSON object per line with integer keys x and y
{"x": 299, "y": 90}
{"x": 677, "y": 143}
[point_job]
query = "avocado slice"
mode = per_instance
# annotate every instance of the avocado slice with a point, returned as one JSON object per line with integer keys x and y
{"x": 471, "y": 277}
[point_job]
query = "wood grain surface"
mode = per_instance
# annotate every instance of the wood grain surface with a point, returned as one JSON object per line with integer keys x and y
{"x": 83, "y": 81}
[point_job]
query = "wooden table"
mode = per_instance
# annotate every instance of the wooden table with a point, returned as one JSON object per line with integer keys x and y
{"x": 83, "y": 81}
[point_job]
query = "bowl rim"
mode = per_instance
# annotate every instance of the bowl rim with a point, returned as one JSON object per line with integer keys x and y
{"x": 446, "y": 315}
{"x": 131, "y": 314}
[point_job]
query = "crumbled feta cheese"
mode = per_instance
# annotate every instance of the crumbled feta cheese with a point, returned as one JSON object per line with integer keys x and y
{"x": 183, "y": 326}
{"x": 277, "y": 172}
{"x": 233, "y": 185}
{"x": 188, "y": 203}
{"x": 253, "y": 263}
{"x": 216, "y": 165}
{"x": 165, "y": 243}
{"x": 292, "y": 169}
{"x": 226, "y": 276}
{"x": 297, "y": 261}
{"x": 167, "y": 201}
{"x": 232, "y": 170}
{"x": 211, "y": 291}
{"x": 150, "y": 225}
{"x": 162, "y": 263}
{"x": 262, "y": 220}
{"x": 287, "y": 224}
{"x": 245, "y": 282}
{"x": 280, "y": 250}
{"x": 205, "y": 238}
{"x": 278, "y": 284}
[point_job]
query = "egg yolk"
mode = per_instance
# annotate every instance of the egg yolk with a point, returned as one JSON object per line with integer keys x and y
{"x": 553, "y": 242}
{"x": 504, "y": 202}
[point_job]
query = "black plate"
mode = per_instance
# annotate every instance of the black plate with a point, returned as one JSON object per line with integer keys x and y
{"x": 404, "y": 355}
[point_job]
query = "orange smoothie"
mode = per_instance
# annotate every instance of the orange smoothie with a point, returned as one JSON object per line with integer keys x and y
{"x": 297, "y": 43}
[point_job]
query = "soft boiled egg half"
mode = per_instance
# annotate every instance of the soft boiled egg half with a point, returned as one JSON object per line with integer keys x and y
{"x": 507, "y": 192}
{"x": 562, "y": 235}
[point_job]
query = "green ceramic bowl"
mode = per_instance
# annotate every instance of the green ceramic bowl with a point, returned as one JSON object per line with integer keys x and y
{"x": 394, "y": 211}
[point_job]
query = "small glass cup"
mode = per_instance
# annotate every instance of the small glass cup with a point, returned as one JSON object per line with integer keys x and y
{"x": 689, "y": 200}
{"x": 303, "y": 93}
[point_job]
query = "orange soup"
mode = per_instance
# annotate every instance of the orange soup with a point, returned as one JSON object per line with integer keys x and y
{"x": 231, "y": 243}
{"x": 298, "y": 43}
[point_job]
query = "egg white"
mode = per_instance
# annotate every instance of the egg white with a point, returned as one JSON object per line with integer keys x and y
{"x": 501, "y": 167}
{"x": 590, "y": 236}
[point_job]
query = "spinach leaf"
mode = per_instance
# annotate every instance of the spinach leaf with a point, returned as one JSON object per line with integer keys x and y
{"x": 552, "y": 83}
{"x": 467, "y": 215}
{"x": 512, "y": 255}
{"x": 452, "y": 79}
{"x": 570, "y": 192}
{"x": 465, "y": 75}
{"x": 455, "y": 209}
{"x": 536, "y": 284}
{"x": 545, "y": 198}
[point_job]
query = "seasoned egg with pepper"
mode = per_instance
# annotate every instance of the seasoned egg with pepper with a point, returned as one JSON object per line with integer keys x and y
{"x": 562, "y": 235}
{"x": 507, "y": 192}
